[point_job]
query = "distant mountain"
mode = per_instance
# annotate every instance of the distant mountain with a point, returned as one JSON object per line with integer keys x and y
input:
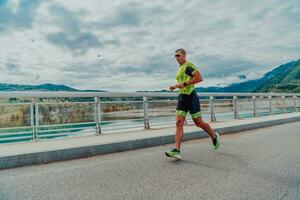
{"x": 287, "y": 81}
{"x": 43, "y": 87}
{"x": 285, "y": 78}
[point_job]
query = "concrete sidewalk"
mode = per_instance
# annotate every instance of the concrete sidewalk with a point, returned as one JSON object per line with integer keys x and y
{"x": 41, "y": 152}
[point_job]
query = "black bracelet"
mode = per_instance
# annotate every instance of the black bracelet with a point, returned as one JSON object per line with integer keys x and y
{"x": 185, "y": 84}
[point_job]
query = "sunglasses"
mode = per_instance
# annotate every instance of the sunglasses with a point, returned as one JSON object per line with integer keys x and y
{"x": 177, "y": 55}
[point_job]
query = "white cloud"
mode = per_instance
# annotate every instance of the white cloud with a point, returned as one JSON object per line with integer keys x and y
{"x": 13, "y": 5}
{"x": 62, "y": 40}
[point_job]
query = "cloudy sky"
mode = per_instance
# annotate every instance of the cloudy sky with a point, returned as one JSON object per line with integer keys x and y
{"x": 129, "y": 45}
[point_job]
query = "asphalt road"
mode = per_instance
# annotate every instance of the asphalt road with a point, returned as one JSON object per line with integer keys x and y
{"x": 259, "y": 164}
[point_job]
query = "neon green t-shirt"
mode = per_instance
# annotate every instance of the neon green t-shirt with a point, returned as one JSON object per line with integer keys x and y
{"x": 184, "y": 74}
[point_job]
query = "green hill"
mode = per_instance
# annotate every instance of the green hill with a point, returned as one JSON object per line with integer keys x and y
{"x": 43, "y": 87}
{"x": 284, "y": 78}
{"x": 287, "y": 81}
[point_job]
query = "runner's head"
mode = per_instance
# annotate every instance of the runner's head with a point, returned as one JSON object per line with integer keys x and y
{"x": 180, "y": 56}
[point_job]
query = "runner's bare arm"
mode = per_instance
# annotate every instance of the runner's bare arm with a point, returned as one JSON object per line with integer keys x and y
{"x": 197, "y": 78}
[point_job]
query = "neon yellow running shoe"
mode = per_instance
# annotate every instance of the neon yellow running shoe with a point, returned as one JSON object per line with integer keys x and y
{"x": 174, "y": 153}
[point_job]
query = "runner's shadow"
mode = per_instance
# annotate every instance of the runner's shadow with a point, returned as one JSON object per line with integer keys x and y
{"x": 214, "y": 163}
{"x": 199, "y": 164}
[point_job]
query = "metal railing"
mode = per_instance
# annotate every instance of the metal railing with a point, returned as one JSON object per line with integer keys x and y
{"x": 42, "y": 115}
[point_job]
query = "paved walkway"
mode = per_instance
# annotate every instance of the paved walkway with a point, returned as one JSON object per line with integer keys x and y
{"x": 258, "y": 164}
{"x": 28, "y": 153}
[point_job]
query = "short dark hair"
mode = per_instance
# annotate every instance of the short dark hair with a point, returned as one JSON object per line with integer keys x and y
{"x": 181, "y": 51}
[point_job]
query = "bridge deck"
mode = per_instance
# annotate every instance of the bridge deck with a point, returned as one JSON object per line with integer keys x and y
{"x": 257, "y": 164}
{"x": 20, "y": 154}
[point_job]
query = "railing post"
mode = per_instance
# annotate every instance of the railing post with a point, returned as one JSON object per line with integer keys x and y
{"x": 236, "y": 114}
{"x": 98, "y": 115}
{"x": 146, "y": 113}
{"x": 254, "y": 106}
{"x": 34, "y": 121}
{"x": 212, "y": 113}
{"x": 283, "y": 104}
{"x": 185, "y": 122}
{"x": 295, "y": 103}
{"x": 270, "y": 105}
{"x": 32, "y": 118}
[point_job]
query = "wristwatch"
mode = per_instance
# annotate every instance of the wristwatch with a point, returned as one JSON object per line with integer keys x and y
{"x": 185, "y": 84}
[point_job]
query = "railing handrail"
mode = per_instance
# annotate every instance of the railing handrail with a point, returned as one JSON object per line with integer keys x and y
{"x": 33, "y": 94}
{"x": 38, "y": 129}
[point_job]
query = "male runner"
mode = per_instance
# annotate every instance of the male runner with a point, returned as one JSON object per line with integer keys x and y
{"x": 187, "y": 76}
